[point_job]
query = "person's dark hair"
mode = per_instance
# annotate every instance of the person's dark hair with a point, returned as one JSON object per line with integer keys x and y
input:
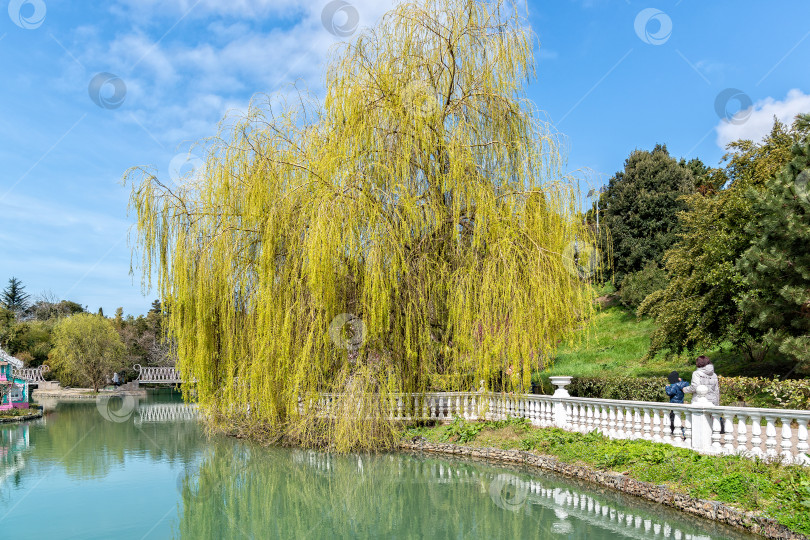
{"x": 703, "y": 361}
{"x": 673, "y": 377}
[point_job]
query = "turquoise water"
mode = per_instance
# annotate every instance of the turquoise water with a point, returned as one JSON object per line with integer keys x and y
{"x": 134, "y": 470}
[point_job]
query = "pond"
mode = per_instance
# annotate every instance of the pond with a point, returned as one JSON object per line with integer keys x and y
{"x": 146, "y": 470}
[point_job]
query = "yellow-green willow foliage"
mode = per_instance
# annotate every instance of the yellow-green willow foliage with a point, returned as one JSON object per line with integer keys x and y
{"x": 422, "y": 196}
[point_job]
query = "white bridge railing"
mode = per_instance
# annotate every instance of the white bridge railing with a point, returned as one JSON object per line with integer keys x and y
{"x": 167, "y": 412}
{"x": 776, "y": 434}
{"x": 152, "y": 374}
{"x": 31, "y": 374}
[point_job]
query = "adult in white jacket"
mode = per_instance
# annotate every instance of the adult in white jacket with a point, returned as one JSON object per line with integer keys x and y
{"x": 705, "y": 375}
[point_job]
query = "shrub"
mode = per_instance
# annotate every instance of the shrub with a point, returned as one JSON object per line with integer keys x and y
{"x": 624, "y": 388}
{"x": 790, "y": 394}
{"x": 736, "y": 389}
{"x": 638, "y": 285}
{"x": 787, "y": 394}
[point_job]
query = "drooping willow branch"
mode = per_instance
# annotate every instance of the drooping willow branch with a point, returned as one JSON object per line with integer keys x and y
{"x": 423, "y": 196}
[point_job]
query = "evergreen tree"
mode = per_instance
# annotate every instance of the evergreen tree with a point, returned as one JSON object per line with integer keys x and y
{"x": 641, "y": 205}
{"x": 776, "y": 267}
{"x": 14, "y": 297}
{"x": 700, "y": 306}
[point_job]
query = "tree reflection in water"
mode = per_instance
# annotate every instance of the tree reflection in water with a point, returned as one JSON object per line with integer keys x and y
{"x": 240, "y": 490}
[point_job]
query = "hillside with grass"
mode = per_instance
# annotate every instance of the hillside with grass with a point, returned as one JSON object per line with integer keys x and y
{"x": 615, "y": 344}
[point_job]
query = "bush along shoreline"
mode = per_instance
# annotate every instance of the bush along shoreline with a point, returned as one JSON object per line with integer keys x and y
{"x": 766, "y": 498}
{"x": 741, "y": 391}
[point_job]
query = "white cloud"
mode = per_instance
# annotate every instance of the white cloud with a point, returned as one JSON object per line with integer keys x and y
{"x": 756, "y": 122}
{"x": 178, "y": 88}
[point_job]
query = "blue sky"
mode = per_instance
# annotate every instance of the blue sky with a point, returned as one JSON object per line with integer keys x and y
{"x": 613, "y": 76}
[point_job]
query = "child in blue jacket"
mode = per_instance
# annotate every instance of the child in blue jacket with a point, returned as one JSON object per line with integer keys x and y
{"x": 675, "y": 392}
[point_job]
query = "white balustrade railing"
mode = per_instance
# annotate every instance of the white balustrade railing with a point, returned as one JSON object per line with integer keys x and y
{"x": 167, "y": 412}
{"x": 157, "y": 374}
{"x": 31, "y": 374}
{"x": 776, "y": 434}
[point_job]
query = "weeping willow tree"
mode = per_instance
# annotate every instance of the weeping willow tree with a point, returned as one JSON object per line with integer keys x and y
{"x": 410, "y": 231}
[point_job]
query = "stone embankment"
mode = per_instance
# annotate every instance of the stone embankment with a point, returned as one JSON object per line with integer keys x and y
{"x": 34, "y": 414}
{"x": 81, "y": 394}
{"x": 713, "y": 510}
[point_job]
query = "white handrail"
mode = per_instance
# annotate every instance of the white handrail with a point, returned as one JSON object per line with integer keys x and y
{"x": 699, "y": 425}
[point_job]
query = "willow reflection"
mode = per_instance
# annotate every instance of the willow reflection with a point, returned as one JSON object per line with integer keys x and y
{"x": 244, "y": 490}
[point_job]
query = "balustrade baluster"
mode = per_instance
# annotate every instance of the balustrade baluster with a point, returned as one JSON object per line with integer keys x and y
{"x": 728, "y": 420}
{"x": 588, "y": 418}
{"x": 787, "y": 436}
{"x": 756, "y": 435}
{"x": 569, "y": 412}
{"x": 605, "y": 421}
{"x": 541, "y": 409}
{"x": 667, "y": 433}
{"x": 656, "y": 425}
{"x": 592, "y": 417}
{"x": 628, "y": 422}
{"x": 620, "y": 422}
{"x": 716, "y": 448}
{"x": 647, "y": 424}
{"x": 678, "y": 432}
{"x": 742, "y": 435}
{"x": 770, "y": 436}
{"x": 611, "y": 432}
{"x": 802, "y": 446}
{"x": 638, "y": 422}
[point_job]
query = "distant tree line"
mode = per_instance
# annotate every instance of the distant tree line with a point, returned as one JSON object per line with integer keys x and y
{"x": 717, "y": 255}
{"x": 76, "y": 344}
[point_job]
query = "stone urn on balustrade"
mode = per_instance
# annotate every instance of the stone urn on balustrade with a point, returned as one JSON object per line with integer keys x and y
{"x": 561, "y": 382}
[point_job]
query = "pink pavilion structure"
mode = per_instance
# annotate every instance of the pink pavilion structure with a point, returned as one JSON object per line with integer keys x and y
{"x": 13, "y": 391}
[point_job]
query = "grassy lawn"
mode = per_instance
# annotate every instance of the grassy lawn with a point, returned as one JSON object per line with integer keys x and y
{"x": 616, "y": 342}
{"x": 778, "y": 491}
